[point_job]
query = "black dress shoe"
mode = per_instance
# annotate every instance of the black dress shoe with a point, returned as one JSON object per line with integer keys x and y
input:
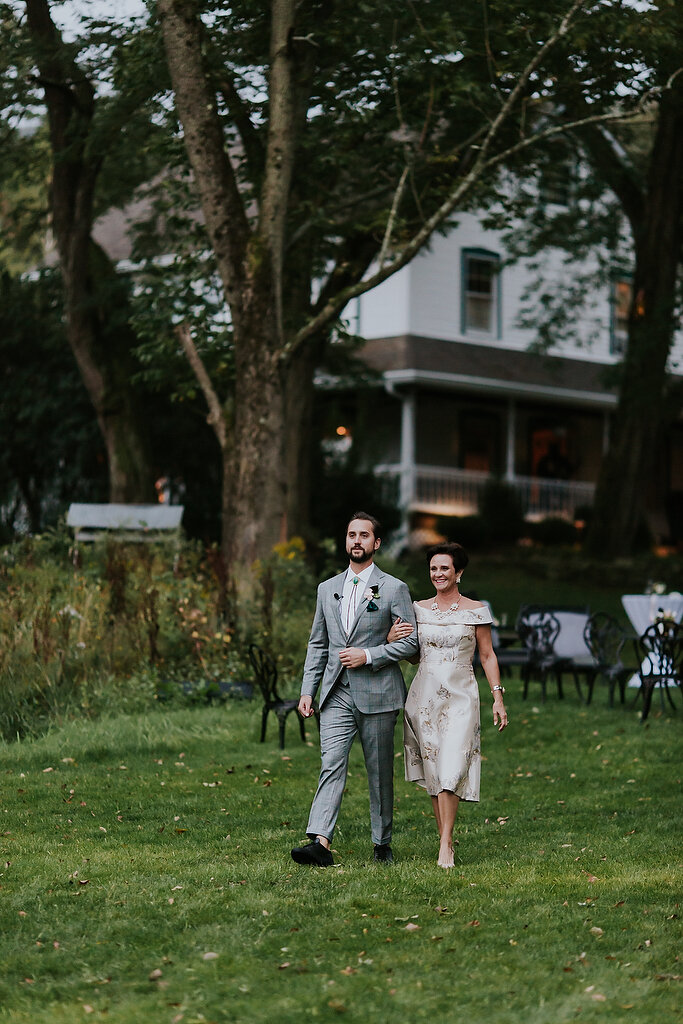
{"x": 383, "y": 854}
{"x": 313, "y": 853}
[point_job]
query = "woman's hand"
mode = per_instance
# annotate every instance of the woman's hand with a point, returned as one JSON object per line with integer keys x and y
{"x": 399, "y": 630}
{"x": 500, "y": 715}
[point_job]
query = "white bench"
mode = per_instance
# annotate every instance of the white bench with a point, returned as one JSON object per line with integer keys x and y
{"x": 125, "y": 522}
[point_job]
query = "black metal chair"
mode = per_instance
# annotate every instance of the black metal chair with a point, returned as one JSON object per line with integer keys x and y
{"x": 570, "y": 651}
{"x": 605, "y": 639}
{"x": 538, "y": 629}
{"x": 660, "y": 655}
{"x": 265, "y": 672}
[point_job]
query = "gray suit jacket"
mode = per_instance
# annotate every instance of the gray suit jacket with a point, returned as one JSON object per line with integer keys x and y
{"x": 376, "y": 687}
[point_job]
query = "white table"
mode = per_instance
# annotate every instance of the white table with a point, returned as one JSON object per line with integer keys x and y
{"x": 643, "y": 609}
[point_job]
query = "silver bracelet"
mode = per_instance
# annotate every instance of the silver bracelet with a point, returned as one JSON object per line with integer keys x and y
{"x": 494, "y": 688}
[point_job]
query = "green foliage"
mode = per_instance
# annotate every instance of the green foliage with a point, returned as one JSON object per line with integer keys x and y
{"x": 52, "y": 451}
{"x": 134, "y": 623}
{"x": 470, "y": 531}
{"x": 501, "y": 512}
{"x": 552, "y": 530}
{"x": 134, "y": 846}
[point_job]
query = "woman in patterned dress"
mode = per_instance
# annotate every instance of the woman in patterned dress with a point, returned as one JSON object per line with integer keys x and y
{"x": 441, "y": 722}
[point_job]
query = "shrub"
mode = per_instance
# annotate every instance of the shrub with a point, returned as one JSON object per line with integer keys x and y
{"x": 552, "y": 530}
{"x": 501, "y": 512}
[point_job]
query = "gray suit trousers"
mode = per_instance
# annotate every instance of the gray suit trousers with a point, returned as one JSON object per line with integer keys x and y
{"x": 340, "y": 721}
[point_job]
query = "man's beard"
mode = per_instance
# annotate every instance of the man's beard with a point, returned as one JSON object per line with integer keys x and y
{"x": 355, "y": 557}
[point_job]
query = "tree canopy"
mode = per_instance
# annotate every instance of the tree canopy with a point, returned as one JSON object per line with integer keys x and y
{"x": 324, "y": 145}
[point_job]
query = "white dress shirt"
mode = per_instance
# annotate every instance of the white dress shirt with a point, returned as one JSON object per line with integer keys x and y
{"x": 352, "y": 597}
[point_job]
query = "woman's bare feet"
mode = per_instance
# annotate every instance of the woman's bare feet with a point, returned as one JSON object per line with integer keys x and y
{"x": 446, "y": 856}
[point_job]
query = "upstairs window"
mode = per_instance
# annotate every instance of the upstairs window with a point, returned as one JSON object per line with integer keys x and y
{"x": 480, "y": 293}
{"x": 620, "y": 305}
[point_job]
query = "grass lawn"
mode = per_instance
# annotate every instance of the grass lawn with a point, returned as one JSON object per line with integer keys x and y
{"x": 146, "y": 877}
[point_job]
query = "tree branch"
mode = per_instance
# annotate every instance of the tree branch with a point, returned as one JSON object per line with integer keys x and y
{"x": 612, "y": 164}
{"x": 391, "y": 220}
{"x": 281, "y": 144}
{"x": 421, "y": 237}
{"x": 216, "y": 417}
{"x": 251, "y": 143}
{"x": 222, "y": 205}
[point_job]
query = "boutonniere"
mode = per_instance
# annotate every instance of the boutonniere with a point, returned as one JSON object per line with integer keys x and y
{"x": 371, "y": 595}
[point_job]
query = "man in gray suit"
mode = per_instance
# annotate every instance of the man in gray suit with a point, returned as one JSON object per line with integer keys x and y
{"x": 361, "y": 687}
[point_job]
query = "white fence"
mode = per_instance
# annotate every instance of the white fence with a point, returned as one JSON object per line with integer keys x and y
{"x": 457, "y": 491}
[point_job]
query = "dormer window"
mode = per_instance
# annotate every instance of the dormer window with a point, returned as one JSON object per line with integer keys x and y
{"x": 480, "y": 293}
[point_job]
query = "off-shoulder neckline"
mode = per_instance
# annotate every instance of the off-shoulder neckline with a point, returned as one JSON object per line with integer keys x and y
{"x": 428, "y": 607}
{"x": 481, "y": 613}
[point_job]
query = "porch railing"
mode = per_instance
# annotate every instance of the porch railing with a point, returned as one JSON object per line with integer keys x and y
{"x": 448, "y": 491}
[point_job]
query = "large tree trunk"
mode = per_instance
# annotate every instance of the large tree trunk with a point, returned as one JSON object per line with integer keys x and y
{"x": 256, "y": 512}
{"x": 96, "y": 329}
{"x": 658, "y": 238}
{"x": 299, "y": 398}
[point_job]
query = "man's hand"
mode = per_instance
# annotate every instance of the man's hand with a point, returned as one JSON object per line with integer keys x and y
{"x": 352, "y": 657}
{"x": 305, "y": 706}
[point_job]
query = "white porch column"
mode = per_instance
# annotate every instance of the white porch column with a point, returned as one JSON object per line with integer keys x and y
{"x": 407, "y": 488}
{"x": 510, "y": 444}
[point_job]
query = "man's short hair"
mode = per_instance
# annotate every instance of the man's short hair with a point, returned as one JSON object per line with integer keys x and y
{"x": 374, "y": 523}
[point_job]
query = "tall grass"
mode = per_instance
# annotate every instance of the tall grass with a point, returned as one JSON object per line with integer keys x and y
{"x": 129, "y": 622}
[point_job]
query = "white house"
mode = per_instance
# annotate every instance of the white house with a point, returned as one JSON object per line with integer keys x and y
{"x": 464, "y": 399}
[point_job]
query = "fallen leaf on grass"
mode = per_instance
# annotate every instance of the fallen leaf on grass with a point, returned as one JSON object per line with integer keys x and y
{"x": 411, "y": 927}
{"x": 349, "y": 970}
{"x": 597, "y": 932}
{"x": 285, "y": 964}
{"x": 337, "y": 1006}
{"x": 668, "y": 977}
{"x": 87, "y": 1008}
{"x": 209, "y": 956}
{"x": 155, "y": 974}
{"x": 472, "y": 924}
